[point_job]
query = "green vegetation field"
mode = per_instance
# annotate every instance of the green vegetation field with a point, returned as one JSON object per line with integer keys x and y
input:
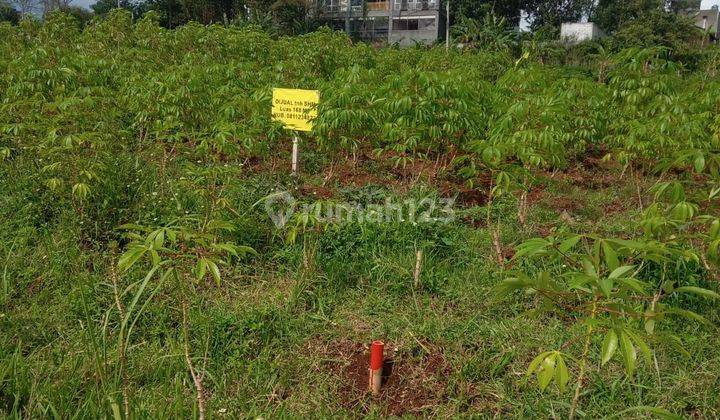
{"x": 140, "y": 275}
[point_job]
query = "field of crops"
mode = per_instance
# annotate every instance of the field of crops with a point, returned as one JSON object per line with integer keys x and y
{"x": 557, "y": 254}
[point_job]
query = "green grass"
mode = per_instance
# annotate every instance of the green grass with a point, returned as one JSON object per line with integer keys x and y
{"x": 258, "y": 335}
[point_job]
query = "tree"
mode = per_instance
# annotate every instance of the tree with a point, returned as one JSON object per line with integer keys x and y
{"x": 82, "y": 15}
{"x": 102, "y": 7}
{"x": 289, "y": 14}
{"x": 25, "y": 7}
{"x": 8, "y": 13}
{"x": 477, "y": 9}
{"x": 679, "y": 6}
{"x": 177, "y": 12}
{"x": 491, "y": 33}
{"x": 658, "y": 27}
{"x": 50, "y": 5}
{"x": 610, "y": 15}
{"x": 554, "y": 12}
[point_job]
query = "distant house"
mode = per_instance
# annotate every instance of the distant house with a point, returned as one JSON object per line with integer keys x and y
{"x": 403, "y": 21}
{"x": 575, "y": 32}
{"x": 707, "y": 20}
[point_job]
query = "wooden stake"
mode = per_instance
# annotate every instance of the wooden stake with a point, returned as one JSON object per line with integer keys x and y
{"x": 522, "y": 208}
{"x": 418, "y": 265}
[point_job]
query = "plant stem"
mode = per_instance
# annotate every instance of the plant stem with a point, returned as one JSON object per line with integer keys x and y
{"x": 494, "y": 231}
{"x": 197, "y": 378}
{"x": 583, "y": 363}
{"x": 522, "y": 208}
{"x": 637, "y": 188}
{"x": 121, "y": 340}
{"x": 498, "y": 245}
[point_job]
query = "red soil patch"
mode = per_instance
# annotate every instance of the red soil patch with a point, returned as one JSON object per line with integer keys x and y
{"x": 354, "y": 172}
{"x": 614, "y": 207}
{"x": 566, "y": 204}
{"x": 258, "y": 164}
{"x": 316, "y": 191}
{"x": 544, "y": 231}
{"x": 584, "y": 178}
{"x": 473, "y": 221}
{"x": 364, "y": 168}
{"x": 465, "y": 196}
{"x": 410, "y": 383}
{"x": 415, "y": 169}
{"x": 591, "y": 162}
{"x": 351, "y": 171}
{"x": 534, "y": 195}
{"x": 508, "y": 252}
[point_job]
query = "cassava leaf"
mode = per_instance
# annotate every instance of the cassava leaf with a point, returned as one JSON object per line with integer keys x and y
{"x": 561, "y": 373}
{"x": 611, "y": 258}
{"x": 621, "y": 271}
{"x": 546, "y": 372}
{"x": 610, "y": 344}
{"x": 698, "y": 291}
{"x": 629, "y": 354}
{"x": 214, "y": 270}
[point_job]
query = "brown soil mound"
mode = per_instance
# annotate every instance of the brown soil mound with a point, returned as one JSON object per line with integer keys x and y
{"x": 411, "y": 383}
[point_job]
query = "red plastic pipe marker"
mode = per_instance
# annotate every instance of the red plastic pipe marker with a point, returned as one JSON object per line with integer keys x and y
{"x": 376, "y": 366}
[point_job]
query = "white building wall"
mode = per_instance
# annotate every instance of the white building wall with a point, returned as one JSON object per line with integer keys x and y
{"x": 578, "y": 32}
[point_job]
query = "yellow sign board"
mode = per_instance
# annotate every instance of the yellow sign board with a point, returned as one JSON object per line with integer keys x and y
{"x": 295, "y": 108}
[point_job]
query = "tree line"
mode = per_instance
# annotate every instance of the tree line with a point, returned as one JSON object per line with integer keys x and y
{"x": 632, "y": 19}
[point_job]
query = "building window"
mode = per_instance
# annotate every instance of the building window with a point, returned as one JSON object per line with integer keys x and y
{"x": 413, "y": 24}
{"x": 405, "y": 24}
{"x": 426, "y": 23}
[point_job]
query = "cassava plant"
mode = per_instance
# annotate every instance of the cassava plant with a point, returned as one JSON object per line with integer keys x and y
{"x": 188, "y": 250}
{"x": 601, "y": 284}
{"x": 492, "y": 161}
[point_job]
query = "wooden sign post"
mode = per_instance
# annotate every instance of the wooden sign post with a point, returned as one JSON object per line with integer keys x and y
{"x": 296, "y": 109}
{"x": 295, "y": 154}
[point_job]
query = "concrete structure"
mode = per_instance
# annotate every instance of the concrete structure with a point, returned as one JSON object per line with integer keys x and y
{"x": 574, "y": 32}
{"x": 403, "y": 21}
{"x": 707, "y": 20}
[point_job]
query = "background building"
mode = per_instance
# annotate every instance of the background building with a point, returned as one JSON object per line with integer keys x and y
{"x": 575, "y": 32}
{"x": 707, "y": 20}
{"x": 403, "y": 21}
